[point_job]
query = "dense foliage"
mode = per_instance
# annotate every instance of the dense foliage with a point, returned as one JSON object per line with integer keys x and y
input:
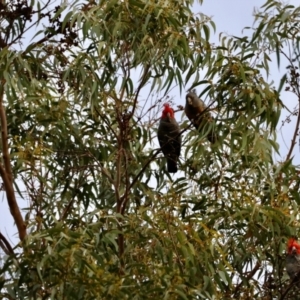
{"x": 79, "y": 102}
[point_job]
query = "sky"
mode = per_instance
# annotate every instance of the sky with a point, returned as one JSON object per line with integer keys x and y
{"x": 230, "y": 16}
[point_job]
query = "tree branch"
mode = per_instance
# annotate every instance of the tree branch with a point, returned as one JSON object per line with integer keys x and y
{"x": 295, "y": 134}
{"x": 5, "y": 245}
{"x": 248, "y": 277}
{"x": 297, "y": 92}
{"x": 295, "y": 279}
{"x": 137, "y": 93}
{"x": 6, "y": 173}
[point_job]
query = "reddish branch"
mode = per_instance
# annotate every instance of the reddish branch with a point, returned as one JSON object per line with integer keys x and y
{"x": 5, "y": 245}
{"x": 6, "y": 174}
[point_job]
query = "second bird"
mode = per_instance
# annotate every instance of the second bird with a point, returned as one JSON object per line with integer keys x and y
{"x": 169, "y": 138}
{"x": 292, "y": 263}
{"x": 194, "y": 108}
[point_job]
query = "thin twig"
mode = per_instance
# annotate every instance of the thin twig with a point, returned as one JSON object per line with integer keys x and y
{"x": 294, "y": 136}
{"x": 293, "y": 143}
{"x": 142, "y": 83}
{"x": 29, "y": 27}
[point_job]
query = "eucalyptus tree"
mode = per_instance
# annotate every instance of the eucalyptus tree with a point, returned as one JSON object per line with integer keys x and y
{"x": 103, "y": 219}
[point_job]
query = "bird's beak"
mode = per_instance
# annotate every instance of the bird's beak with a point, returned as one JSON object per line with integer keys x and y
{"x": 189, "y": 100}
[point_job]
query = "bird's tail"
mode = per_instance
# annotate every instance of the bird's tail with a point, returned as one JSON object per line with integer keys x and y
{"x": 172, "y": 165}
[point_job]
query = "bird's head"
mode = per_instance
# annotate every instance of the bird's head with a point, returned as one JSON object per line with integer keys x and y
{"x": 189, "y": 100}
{"x": 168, "y": 111}
{"x": 191, "y": 96}
{"x": 293, "y": 247}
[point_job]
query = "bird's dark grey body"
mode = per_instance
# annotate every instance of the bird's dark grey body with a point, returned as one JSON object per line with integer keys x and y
{"x": 292, "y": 262}
{"x": 194, "y": 108}
{"x": 170, "y": 141}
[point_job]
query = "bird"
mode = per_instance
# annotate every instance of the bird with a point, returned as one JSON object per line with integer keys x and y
{"x": 194, "y": 108}
{"x": 169, "y": 138}
{"x": 292, "y": 262}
